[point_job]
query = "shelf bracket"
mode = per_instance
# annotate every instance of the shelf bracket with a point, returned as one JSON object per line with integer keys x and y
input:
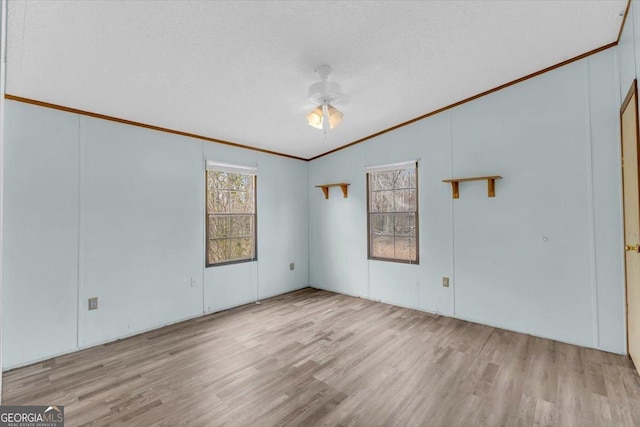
{"x": 325, "y": 190}
{"x": 491, "y": 187}
{"x": 345, "y": 191}
{"x": 455, "y": 187}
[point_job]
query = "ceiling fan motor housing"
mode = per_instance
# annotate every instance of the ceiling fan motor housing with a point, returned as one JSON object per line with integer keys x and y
{"x": 324, "y": 92}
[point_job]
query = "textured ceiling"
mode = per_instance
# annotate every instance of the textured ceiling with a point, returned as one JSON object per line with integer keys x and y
{"x": 239, "y": 71}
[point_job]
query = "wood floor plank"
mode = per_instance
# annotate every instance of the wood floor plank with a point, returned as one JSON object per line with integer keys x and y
{"x": 313, "y": 357}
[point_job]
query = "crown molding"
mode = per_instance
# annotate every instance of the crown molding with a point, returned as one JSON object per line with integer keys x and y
{"x": 144, "y": 125}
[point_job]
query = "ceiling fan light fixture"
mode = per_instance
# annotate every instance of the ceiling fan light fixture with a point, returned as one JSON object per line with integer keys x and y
{"x": 316, "y": 117}
{"x": 335, "y": 116}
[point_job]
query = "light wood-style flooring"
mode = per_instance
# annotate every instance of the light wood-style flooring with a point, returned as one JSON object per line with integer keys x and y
{"x": 313, "y": 357}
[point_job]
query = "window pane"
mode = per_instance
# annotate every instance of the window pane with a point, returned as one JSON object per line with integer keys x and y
{"x": 382, "y": 180}
{"x": 405, "y": 248}
{"x": 382, "y": 224}
{"x": 210, "y": 189}
{"x": 382, "y": 246}
{"x": 220, "y": 180}
{"x": 221, "y": 202}
{"x": 209, "y": 181}
{"x": 405, "y": 200}
{"x": 241, "y": 226}
{"x": 218, "y": 250}
{"x": 219, "y": 226}
{"x": 241, "y": 248}
{"x": 382, "y": 201}
{"x": 247, "y": 183}
{"x": 236, "y": 181}
{"x": 210, "y": 200}
{"x": 240, "y": 202}
{"x": 406, "y": 179}
{"x": 405, "y": 224}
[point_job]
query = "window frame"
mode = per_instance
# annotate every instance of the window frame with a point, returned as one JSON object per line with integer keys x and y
{"x": 370, "y": 255}
{"x": 254, "y": 214}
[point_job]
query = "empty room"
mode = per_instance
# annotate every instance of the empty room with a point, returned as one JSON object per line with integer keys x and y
{"x": 320, "y": 213}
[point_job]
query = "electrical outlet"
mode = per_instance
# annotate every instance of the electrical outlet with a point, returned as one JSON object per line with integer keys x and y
{"x": 93, "y": 303}
{"x": 445, "y": 282}
{"x": 292, "y": 266}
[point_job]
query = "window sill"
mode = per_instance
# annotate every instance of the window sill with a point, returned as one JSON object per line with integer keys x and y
{"x": 240, "y": 261}
{"x": 398, "y": 261}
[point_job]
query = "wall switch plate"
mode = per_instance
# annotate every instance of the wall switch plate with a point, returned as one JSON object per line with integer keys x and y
{"x": 292, "y": 266}
{"x": 445, "y": 282}
{"x": 93, "y": 303}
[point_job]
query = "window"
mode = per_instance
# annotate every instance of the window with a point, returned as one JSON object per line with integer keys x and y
{"x": 392, "y": 193}
{"x": 231, "y": 214}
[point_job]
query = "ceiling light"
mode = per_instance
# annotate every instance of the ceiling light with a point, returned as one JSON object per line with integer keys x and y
{"x": 316, "y": 117}
{"x": 324, "y": 93}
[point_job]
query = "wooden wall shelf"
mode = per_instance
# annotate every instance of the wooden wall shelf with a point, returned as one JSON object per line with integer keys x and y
{"x": 325, "y": 189}
{"x": 491, "y": 184}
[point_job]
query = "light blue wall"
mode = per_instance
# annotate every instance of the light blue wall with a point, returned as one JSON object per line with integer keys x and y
{"x": 336, "y": 245}
{"x": 283, "y": 225}
{"x": 542, "y": 257}
{"x": 606, "y": 188}
{"x": 100, "y": 209}
{"x": 141, "y": 227}
{"x": 40, "y": 235}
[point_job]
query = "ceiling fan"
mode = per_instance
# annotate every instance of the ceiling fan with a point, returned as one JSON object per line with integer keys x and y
{"x": 325, "y": 93}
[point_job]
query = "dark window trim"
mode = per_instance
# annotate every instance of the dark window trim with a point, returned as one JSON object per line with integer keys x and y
{"x": 255, "y": 225}
{"x": 417, "y": 213}
{"x": 393, "y": 189}
{"x": 237, "y": 261}
{"x": 232, "y": 238}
